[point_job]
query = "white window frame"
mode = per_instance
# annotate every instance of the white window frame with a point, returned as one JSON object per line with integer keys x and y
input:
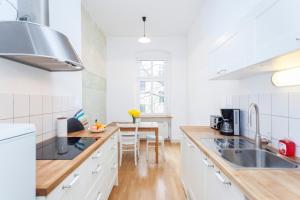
{"x": 164, "y": 79}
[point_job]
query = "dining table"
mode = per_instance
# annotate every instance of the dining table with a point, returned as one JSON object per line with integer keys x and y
{"x": 151, "y": 127}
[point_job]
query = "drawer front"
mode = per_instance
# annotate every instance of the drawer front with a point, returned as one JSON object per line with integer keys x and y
{"x": 70, "y": 188}
{"x": 103, "y": 185}
{"x": 93, "y": 171}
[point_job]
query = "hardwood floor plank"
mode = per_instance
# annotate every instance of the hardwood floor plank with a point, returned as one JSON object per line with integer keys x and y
{"x": 148, "y": 180}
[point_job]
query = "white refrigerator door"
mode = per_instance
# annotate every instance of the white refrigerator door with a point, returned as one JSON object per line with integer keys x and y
{"x": 17, "y": 168}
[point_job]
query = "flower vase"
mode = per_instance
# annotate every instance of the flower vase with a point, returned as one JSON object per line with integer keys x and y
{"x": 133, "y": 120}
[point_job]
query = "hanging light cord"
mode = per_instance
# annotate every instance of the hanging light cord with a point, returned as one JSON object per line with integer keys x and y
{"x": 144, "y": 20}
{"x": 144, "y": 29}
{"x": 14, "y": 7}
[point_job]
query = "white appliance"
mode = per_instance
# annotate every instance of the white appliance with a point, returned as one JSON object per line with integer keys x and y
{"x": 17, "y": 161}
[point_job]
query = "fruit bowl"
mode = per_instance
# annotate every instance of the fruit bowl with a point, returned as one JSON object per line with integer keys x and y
{"x": 99, "y": 130}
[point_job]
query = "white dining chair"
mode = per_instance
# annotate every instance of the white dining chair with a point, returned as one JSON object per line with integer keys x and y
{"x": 129, "y": 141}
{"x": 150, "y": 143}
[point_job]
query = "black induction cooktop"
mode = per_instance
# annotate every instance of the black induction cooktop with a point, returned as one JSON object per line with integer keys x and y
{"x": 62, "y": 148}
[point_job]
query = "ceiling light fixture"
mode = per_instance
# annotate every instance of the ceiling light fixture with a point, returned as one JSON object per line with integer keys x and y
{"x": 144, "y": 39}
{"x": 289, "y": 77}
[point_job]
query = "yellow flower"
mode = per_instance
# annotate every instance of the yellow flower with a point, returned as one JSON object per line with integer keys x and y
{"x": 134, "y": 113}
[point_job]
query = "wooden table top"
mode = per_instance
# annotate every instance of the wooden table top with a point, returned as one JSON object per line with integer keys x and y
{"x": 140, "y": 125}
{"x": 156, "y": 116}
{"x": 51, "y": 173}
{"x": 256, "y": 184}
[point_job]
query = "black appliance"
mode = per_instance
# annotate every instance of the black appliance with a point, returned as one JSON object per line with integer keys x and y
{"x": 216, "y": 121}
{"x": 62, "y": 148}
{"x": 231, "y": 122}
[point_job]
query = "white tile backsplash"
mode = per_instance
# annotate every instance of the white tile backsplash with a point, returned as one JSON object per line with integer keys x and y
{"x": 39, "y": 138}
{"x": 57, "y": 104}
{"x": 294, "y": 105}
{"x": 22, "y": 120}
{"x": 253, "y": 99}
{"x": 47, "y": 123}
{"x": 244, "y": 102}
{"x": 280, "y": 127}
{"x": 38, "y": 122}
{"x": 36, "y": 109}
{"x": 21, "y": 105}
{"x": 294, "y": 130}
{"x": 48, "y": 135}
{"x": 265, "y": 104}
{"x": 6, "y": 121}
{"x": 235, "y": 101}
{"x": 279, "y": 115}
{"x": 280, "y": 104}
{"x": 266, "y": 126}
{"x": 36, "y": 105}
{"x": 47, "y": 104}
{"x": 6, "y": 106}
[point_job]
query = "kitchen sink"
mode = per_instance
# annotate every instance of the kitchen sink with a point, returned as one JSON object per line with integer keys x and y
{"x": 255, "y": 158}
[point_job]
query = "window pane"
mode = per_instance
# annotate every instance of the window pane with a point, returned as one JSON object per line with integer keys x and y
{"x": 158, "y": 68}
{"x": 145, "y": 86}
{"x": 158, "y": 88}
{"x": 145, "y": 69}
{"x": 158, "y": 107}
{"x": 145, "y": 103}
{"x": 152, "y": 86}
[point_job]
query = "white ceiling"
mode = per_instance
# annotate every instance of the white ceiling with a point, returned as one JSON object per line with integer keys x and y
{"x": 123, "y": 17}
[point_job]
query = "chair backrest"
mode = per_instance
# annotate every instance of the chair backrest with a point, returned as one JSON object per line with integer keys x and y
{"x": 128, "y": 135}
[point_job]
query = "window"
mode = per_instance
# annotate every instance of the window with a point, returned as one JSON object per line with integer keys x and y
{"x": 152, "y": 86}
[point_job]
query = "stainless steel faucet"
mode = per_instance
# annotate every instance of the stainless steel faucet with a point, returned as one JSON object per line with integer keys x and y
{"x": 257, "y": 134}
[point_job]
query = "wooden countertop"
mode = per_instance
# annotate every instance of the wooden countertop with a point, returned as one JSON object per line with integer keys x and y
{"x": 51, "y": 173}
{"x": 256, "y": 184}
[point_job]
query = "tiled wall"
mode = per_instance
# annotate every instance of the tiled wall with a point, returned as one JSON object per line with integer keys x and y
{"x": 42, "y": 111}
{"x": 279, "y": 115}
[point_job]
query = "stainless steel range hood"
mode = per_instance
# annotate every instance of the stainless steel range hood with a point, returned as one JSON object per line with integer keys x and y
{"x": 37, "y": 45}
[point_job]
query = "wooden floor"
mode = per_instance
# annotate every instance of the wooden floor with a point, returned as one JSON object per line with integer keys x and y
{"x": 150, "y": 181}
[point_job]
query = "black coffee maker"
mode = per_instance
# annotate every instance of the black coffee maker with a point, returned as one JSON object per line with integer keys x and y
{"x": 231, "y": 122}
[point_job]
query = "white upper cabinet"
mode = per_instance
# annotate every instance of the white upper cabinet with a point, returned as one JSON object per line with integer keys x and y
{"x": 270, "y": 30}
{"x": 278, "y": 30}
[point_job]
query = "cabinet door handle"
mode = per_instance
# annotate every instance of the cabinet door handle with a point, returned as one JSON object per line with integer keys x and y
{"x": 97, "y": 170}
{"x": 98, "y": 155}
{"x": 298, "y": 39}
{"x": 205, "y": 161}
{"x": 218, "y": 175}
{"x": 75, "y": 179}
{"x": 99, "y": 196}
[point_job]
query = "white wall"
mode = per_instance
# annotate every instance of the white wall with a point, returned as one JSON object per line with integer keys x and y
{"x": 122, "y": 77}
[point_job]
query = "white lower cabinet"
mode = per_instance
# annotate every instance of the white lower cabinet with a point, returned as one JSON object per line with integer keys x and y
{"x": 93, "y": 179}
{"x": 201, "y": 179}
